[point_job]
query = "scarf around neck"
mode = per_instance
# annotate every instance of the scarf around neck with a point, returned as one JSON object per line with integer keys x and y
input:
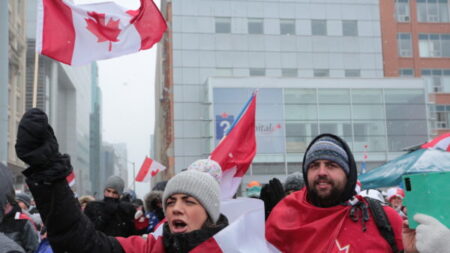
{"x": 184, "y": 242}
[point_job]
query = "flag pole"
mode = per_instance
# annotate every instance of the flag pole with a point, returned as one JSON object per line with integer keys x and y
{"x": 134, "y": 176}
{"x": 35, "y": 78}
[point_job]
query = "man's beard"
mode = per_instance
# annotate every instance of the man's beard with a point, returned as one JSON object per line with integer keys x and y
{"x": 332, "y": 199}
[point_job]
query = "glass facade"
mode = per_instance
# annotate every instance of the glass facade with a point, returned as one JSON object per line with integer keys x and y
{"x": 370, "y": 120}
{"x": 263, "y": 39}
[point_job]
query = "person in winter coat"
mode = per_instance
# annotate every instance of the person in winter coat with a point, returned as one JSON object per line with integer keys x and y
{"x": 190, "y": 201}
{"x": 395, "y": 197}
{"x": 154, "y": 209}
{"x": 9, "y": 246}
{"x": 24, "y": 202}
{"x": 323, "y": 216}
{"x": 294, "y": 182}
{"x": 13, "y": 223}
{"x": 111, "y": 215}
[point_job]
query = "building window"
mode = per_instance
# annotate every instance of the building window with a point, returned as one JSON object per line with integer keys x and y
{"x": 434, "y": 45}
{"x": 402, "y": 10}
{"x": 442, "y": 120}
{"x": 441, "y": 114}
{"x": 406, "y": 72}
{"x": 224, "y": 72}
{"x": 289, "y": 72}
{"x": 352, "y": 73}
{"x": 349, "y": 28}
{"x": 321, "y": 73}
{"x": 404, "y": 44}
{"x": 223, "y": 25}
{"x": 432, "y": 11}
{"x": 438, "y": 79}
{"x": 319, "y": 27}
{"x": 287, "y": 26}
{"x": 257, "y": 72}
{"x": 255, "y": 26}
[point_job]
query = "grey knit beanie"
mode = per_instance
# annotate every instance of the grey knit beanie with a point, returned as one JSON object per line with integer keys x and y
{"x": 294, "y": 182}
{"x": 116, "y": 183}
{"x": 327, "y": 148}
{"x": 25, "y": 198}
{"x": 200, "y": 185}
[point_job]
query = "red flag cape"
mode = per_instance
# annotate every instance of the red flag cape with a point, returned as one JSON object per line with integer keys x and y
{"x": 295, "y": 225}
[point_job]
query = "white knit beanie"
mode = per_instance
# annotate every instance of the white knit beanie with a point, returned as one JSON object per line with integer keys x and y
{"x": 200, "y": 185}
{"x": 209, "y": 166}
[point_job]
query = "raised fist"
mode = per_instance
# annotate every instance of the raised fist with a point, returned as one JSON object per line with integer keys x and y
{"x": 36, "y": 143}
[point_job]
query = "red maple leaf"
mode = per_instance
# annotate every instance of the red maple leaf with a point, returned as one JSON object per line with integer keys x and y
{"x": 104, "y": 32}
{"x": 224, "y": 115}
{"x": 155, "y": 172}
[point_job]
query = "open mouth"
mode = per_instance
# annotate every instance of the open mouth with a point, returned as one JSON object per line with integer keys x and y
{"x": 179, "y": 226}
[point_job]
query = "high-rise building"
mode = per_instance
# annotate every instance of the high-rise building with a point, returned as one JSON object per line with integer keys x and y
{"x": 114, "y": 161}
{"x": 15, "y": 91}
{"x": 95, "y": 131}
{"x": 319, "y": 68}
{"x": 416, "y": 43}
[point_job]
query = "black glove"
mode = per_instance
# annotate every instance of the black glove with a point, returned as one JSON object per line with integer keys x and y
{"x": 37, "y": 146}
{"x": 271, "y": 194}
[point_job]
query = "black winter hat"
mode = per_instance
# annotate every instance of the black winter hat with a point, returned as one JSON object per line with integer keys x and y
{"x": 352, "y": 175}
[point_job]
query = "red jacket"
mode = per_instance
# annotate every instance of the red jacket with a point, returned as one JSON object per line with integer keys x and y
{"x": 295, "y": 225}
{"x": 137, "y": 244}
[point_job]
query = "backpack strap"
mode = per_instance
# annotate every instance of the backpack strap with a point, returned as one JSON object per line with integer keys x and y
{"x": 382, "y": 222}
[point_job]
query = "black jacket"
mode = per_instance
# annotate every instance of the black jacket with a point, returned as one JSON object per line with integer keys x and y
{"x": 112, "y": 216}
{"x": 68, "y": 229}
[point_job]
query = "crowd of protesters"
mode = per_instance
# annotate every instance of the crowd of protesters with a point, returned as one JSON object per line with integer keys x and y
{"x": 319, "y": 209}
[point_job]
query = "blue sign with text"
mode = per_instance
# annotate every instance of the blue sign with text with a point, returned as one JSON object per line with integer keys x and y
{"x": 223, "y": 124}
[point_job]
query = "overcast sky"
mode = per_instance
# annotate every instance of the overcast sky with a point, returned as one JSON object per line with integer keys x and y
{"x": 127, "y": 85}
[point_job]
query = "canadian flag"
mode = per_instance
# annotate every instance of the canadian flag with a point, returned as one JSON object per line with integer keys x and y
{"x": 148, "y": 170}
{"x": 236, "y": 150}
{"x": 71, "y": 179}
{"x": 80, "y": 34}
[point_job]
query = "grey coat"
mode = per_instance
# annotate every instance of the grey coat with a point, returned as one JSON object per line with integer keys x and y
{"x": 9, "y": 246}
